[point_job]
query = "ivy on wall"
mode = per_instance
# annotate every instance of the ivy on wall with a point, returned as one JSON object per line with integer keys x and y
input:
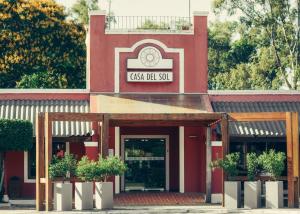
{"x": 15, "y": 135}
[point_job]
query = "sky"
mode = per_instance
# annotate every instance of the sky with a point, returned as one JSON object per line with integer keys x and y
{"x": 152, "y": 7}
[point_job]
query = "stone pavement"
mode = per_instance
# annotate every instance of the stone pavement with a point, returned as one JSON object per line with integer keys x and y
{"x": 161, "y": 210}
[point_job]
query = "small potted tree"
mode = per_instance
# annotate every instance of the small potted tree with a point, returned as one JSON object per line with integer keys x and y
{"x": 86, "y": 172}
{"x": 232, "y": 189}
{"x": 107, "y": 167}
{"x": 252, "y": 188}
{"x": 273, "y": 163}
{"x": 62, "y": 168}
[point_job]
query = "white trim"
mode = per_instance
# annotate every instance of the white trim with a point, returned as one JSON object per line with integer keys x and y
{"x": 117, "y": 154}
{"x": 200, "y": 13}
{"x": 91, "y": 143}
{"x": 180, "y": 51}
{"x": 167, "y": 138}
{"x": 181, "y": 159}
{"x": 67, "y": 148}
{"x": 97, "y": 13}
{"x": 216, "y": 143}
{"x": 26, "y": 179}
{"x": 148, "y": 32}
{"x": 35, "y": 91}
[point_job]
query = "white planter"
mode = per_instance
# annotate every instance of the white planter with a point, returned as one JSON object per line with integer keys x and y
{"x": 104, "y": 195}
{"x": 274, "y": 194}
{"x": 84, "y": 195}
{"x": 63, "y": 196}
{"x": 252, "y": 194}
{"x": 232, "y": 192}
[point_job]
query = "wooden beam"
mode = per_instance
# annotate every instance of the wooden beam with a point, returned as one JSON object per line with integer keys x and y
{"x": 70, "y": 116}
{"x": 225, "y": 148}
{"x": 257, "y": 116}
{"x": 159, "y": 123}
{"x": 48, "y": 157}
{"x": 105, "y": 135}
{"x": 289, "y": 144}
{"x": 40, "y": 161}
{"x": 167, "y": 117}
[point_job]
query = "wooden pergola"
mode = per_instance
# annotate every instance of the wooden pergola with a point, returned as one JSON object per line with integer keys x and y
{"x": 291, "y": 120}
{"x": 44, "y": 137}
{"x": 44, "y": 140}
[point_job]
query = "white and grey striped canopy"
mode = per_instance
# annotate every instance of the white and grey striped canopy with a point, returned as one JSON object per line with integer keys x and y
{"x": 27, "y": 109}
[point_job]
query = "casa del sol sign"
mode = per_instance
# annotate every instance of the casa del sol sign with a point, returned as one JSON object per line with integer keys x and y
{"x": 149, "y": 67}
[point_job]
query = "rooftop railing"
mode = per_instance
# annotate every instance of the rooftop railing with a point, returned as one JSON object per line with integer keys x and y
{"x": 171, "y": 23}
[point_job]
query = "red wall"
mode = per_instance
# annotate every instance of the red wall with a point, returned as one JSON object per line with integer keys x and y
{"x": 102, "y": 55}
{"x": 194, "y": 159}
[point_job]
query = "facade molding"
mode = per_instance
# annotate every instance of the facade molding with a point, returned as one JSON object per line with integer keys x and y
{"x": 119, "y": 50}
{"x": 181, "y": 159}
{"x": 117, "y": 154}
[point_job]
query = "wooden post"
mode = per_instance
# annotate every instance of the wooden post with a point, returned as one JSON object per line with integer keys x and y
{"x": 225, "y": 147}
{"x": 48, "y": 157}
{"x": 105, "y": 135}
{"x": 40, "y": 160}
{"x": 295, "y": 130}
{"x": 290, "y": 159}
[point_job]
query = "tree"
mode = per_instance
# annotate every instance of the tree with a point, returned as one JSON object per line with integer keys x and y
{"x": 275, "y": 23}
{"x": 15, "y": 135}
{"x": 237, "y": 61}
{"x": 37, "y": 40}
{"x": 81, "y": 8}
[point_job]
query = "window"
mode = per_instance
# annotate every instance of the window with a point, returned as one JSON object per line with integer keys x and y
{"x": 58, "y": 148}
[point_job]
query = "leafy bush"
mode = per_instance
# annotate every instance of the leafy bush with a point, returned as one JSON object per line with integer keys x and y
{"x": 62, "y": 167}
{"x": 229, "y": 164}
{"x": 15, "y": 135}
{"x": 273, "y": 163}
{"x": 88, "y": 170}
{"x": 253, "y": 165}
{"x": 111, "y": 166}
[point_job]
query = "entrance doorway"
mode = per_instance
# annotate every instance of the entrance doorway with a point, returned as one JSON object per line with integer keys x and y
{"x": 147, "y": 160}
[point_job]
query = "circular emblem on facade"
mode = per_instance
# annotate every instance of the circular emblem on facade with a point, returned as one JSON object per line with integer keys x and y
{"x": 150, "y": 56}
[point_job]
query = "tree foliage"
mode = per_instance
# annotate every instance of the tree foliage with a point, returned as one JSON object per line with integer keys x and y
{"x": 236, "y": 60}
{"x": 81, "y": 8}
{"x": 15, "y": 135}
{"x": 273, "y": 26}
{"x": 62, "y": 167}
{"x": 37, "y": 42}
{"x": 229, "y": 163}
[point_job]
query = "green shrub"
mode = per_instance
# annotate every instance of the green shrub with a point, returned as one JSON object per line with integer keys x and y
{"x": 273, "y": 163}
{"x": 111, "y": 166}
{"x": 253, "y": 166}
{"x": 62, "y": 167}
{"x": 88, "y": 170}
{"x": 229, "y": 164}
{"x": 15, "y": 135}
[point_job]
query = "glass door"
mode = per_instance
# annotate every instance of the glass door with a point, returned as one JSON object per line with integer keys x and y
{"x": 146, "y": 162}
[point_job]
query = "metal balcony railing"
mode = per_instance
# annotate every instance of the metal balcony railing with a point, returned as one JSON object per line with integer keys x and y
{"x": 172, "y": 23}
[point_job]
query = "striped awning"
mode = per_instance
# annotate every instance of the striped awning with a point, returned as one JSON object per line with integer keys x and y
{"x": 270, "y": 128}
{"x": 27, "y": 109}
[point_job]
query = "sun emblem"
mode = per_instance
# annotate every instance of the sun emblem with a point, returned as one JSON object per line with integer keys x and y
{"x": 150, "y": 56}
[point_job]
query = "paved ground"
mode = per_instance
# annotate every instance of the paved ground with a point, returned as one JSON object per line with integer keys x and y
{"x": 162, "y": 210}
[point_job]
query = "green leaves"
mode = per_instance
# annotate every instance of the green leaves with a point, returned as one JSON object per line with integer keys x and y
{"x": 253, "y": 165}
{"x": 89, "y": 170}
{"x": 273, "y": 163}
{"x": 62, "y": 167}
{"x": 15, "y": 135}
{"x": 229, "y": 164}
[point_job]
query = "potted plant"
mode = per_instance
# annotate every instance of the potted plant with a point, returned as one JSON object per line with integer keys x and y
{"x": 232, "y": 189}
{"x": 106, "y": 167}
{"x": 273, "y": 163}
{"x": 62, "y": 168}
{"x": 252, "y": 188}
{"x": 86, "y": 172}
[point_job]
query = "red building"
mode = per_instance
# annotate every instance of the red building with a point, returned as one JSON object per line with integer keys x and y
{"x": 136, "y": 70}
